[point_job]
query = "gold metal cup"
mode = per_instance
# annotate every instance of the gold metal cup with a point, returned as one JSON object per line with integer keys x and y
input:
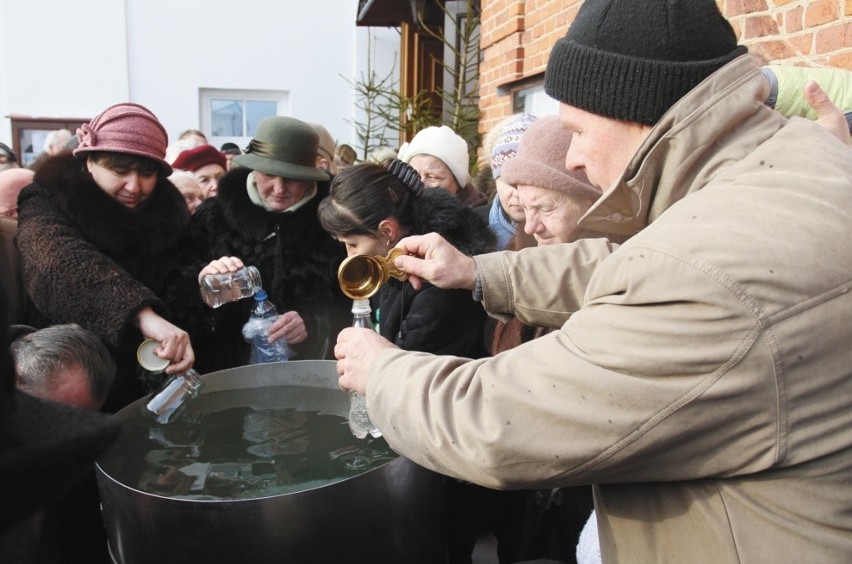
{"x": 361, "y": 276}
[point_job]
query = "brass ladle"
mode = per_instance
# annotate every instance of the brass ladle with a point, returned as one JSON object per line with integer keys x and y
{"x": 361, "y": 276}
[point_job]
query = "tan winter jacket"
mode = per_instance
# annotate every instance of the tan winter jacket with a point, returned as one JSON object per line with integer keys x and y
{"x": 704, "y": 381}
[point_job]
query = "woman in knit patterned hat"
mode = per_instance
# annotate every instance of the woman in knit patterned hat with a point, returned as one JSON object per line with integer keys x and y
{"x": 501, "y": 145}
{"x": 98, "y": 233}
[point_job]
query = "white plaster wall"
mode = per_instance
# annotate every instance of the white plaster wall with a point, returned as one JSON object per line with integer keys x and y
{"x": 73, "y": 58}
{"x": 50, "y": 52}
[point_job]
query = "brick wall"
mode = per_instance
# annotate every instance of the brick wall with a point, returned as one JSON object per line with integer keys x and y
{"x": 517, "y": 36}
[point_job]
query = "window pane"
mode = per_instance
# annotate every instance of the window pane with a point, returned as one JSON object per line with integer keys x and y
{"x": 227, "y": 118}
{"x": 256, "y": 110}
{"x": 534, "y": 101}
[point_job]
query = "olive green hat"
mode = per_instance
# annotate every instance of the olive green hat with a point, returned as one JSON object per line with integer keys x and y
{"x": 284, "y": 146}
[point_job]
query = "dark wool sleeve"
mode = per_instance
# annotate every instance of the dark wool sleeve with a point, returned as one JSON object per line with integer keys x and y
{"x": 68, "y": 279}
{"x": 443, "y": 322}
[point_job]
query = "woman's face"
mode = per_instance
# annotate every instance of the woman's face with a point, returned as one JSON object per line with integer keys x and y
{"x": 129, "y": 187}
{"x": 208, "y": 178}
{"x": 280, "y": 193}
{"x": 190, "y": 190}
{"x": 509, "y": 200}
{"x": 551, "y": 216}
{"x": 434, "y": 173}
{"x": 364, "y": 245}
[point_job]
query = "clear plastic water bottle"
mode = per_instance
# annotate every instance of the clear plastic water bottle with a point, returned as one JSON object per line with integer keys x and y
{"x": 256, "y": 332}
{"x": 359, "y": 420}
{"x": 219, "y": 289}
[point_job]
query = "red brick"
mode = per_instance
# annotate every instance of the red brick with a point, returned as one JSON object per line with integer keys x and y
{"x": 737, "y": 27}
{"x": 834, "y": 38}
{"x": 820, "y": 12}
{"x": 741, "y": 7}
{"x": 772, "y": 50}
{"x": 843, "y": 61}
{"x": 793, "y": 20}
{"x": 518, "y": 36}
{"x": 759, "y": 26}
{"x": 802, "y": 44}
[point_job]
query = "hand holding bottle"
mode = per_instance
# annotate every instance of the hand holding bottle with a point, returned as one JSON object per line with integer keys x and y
{"x": 359, "y": 418}
{"x": 221, "y": 266}
{"x": 256, "y": 331}
{"x": 290, "y": 326}
{"x": 355, "y": 351}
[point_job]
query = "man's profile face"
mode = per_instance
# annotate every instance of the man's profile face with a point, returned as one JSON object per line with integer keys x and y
{"x": 600, "y": 146}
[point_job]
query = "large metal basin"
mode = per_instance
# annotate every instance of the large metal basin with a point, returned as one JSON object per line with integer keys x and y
{"x": 393, "y": 513}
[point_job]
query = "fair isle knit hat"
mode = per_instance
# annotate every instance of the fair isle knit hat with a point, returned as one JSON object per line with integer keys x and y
{"x": 540, "y": 161}
{"x": 507, "y": 134}
{"x": 442, "y": 143}
{"x": 633, "y": 59}
{"x": 126, "y": 128}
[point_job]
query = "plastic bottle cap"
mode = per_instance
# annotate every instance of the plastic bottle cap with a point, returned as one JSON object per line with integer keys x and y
{"x": 147, "y": 357}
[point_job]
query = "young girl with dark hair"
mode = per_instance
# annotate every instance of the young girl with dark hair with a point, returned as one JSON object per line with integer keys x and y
{"x": 369, "y": 209}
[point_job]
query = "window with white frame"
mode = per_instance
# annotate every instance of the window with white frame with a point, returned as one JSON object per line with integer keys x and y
{"x": 233, "y": 115}
{"x": 534, "y": 100}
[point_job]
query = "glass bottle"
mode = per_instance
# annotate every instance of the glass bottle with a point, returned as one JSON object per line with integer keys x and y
{"x": 219, "y": 289}
{"x": 359, "y": 420}
{"x": 172, "y": 397}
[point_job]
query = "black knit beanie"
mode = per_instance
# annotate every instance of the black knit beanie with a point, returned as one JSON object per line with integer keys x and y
{"x": 633, "y": 59}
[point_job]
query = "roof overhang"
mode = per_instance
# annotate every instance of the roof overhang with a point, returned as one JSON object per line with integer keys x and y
{"x": 384, "y": 13}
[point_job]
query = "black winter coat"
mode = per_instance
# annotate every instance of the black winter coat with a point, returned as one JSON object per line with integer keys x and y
{"x": 444, "y": 322}
{"x": 87, "y": 259}
{"x": 297, "y": 261}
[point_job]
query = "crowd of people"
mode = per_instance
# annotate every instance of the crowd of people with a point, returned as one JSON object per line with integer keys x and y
{"x": 649, "y": 307}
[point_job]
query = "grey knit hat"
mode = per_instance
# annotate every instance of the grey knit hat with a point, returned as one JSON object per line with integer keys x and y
{"x": 633, "y": 59}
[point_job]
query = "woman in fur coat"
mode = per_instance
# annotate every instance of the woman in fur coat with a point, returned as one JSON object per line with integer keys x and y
{"x": 370, "y": 209}
{"x": 98, "y": 234}
{"x": 265, "y": 216}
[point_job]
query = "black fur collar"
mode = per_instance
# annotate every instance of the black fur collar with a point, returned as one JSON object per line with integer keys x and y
{"x": 149, "y": 230}
{"x": 441, "y": 212}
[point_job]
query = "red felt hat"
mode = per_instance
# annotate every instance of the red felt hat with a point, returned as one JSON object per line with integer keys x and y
{"x": 197, "y": 157}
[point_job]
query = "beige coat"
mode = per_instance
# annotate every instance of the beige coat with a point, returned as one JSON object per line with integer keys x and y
{"x": 705, "y": 380}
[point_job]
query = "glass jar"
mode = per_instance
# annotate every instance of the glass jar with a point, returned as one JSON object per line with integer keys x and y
{"x": 219, "y": 289}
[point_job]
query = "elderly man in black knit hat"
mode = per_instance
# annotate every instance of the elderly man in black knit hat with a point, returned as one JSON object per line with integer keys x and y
{"x": 701, "y": 373}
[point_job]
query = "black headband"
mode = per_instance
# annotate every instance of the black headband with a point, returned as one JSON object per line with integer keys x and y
{"x": 407, "y": 175}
